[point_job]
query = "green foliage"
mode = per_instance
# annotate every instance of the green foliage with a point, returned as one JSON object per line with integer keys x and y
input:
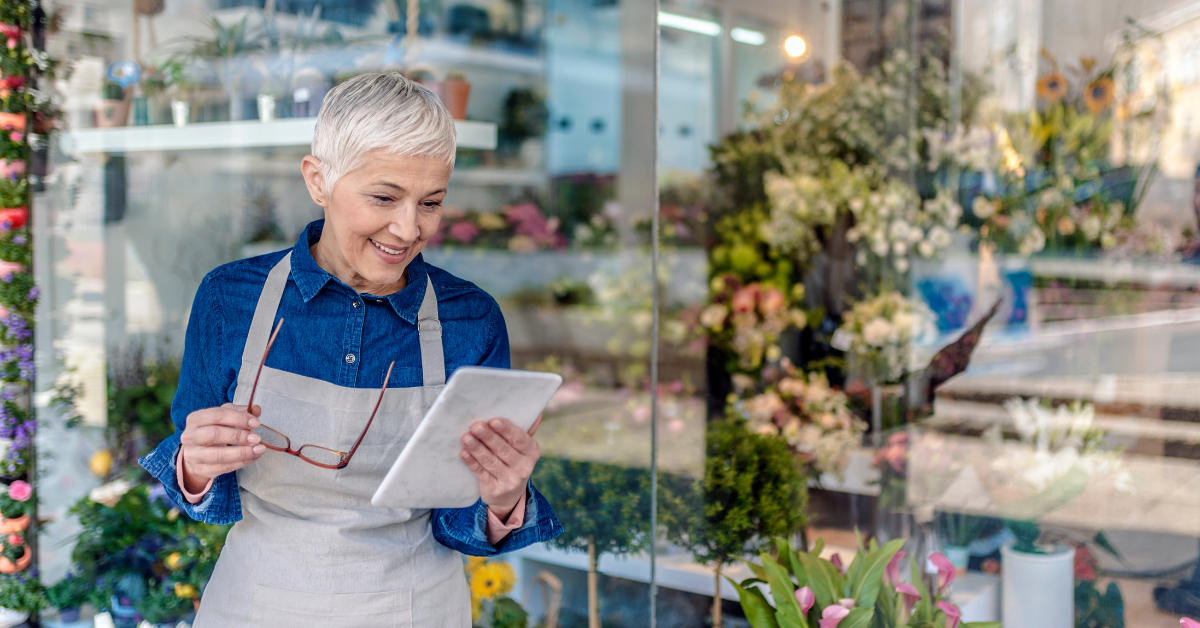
{"x": 161, "y": 605}
{"x": 13, "y": 193}
{"x": 140, "y": 391}
{"x": 507, "y": 613}
{"x": 22, "y": 592}
{"x": 113, "y": 91}
{"x": 70, "y": 592}
{"x": 752, "y": 490}
{"x": 605, "y": 503}
{"x": 228, "y": 41}
{"x": 1093, "y": 610}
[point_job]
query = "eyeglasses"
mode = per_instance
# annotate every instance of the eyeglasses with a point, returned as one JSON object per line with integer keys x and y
{"x": 313, "y": 454}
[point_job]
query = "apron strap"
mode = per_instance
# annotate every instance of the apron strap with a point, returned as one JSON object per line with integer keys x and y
{"x": 433, "y": 363}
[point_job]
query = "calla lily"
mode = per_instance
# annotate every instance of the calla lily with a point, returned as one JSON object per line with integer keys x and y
{"x": 806, "y": 598}
{"x": 945, "y": 570}
{"x": 1189, "y": 623}
{"x": 832, "y": 615}
{"x": 953, "y": 615}
{"x": 911, "y": 595}
{"x": 836, "y": 559}
{"x": 893, "y": 568}
{"x": 847, "y": 602}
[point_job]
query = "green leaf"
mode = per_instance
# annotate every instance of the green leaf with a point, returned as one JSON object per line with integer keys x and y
{"x": 1103, "y": 542}
{"x": 757, "y": 570}
{"x": 818, "y": 547}
{"x": 798, "y": 570}
{"x": 818, "y": 580}
{"x": 858, "y": 618}
{"x": 752, "y": 581}
{"x": 754, "y": 604}
{"x": 783, "y": 549}
{"x": 866, "y": 588}
{"x": 781, "y": 585}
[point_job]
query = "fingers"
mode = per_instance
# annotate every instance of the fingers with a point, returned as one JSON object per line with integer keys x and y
{"x": 496, "y": 441}
{"x": 483, "y": 474}
{"x": 484, "y": 455}
{"x": 223, "y": 455}
{"x": 221, "y": 435}
{"x": 536, "y": 424}
{"x": 511, "y": 434}
{"x": 228, "y": 415}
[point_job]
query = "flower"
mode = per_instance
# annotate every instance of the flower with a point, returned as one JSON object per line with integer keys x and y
{"x": 877, "y": 331}
{"x": 1189, "y": 623}
{"x": 893, "y": 568}
{"x": 832, "y": 615}
{"x": 982, "y": 208}
{"x": 714, "y": 315}
{"x": 945, "y": 569}
{"x": 474, "y": 563}
{"x": 745, "y": 298}
{"x": 100, "y": 464}
{"x": 110, "y": 494}
{"x": 806, "y": 598}
{"x": 20, "y": 491}
{"x": 846, "y": 602}
{"x": 491, "y": 580}
{"x": 174, "y": 560}
{"x": 464, "y": 232}
{"x": 186, "y": 591}
{"x": 953, "y": 615}
{"x": 911, "y": 595}
{"x": 1099, "y": 95}
{"x": 15, "y": 539}
{"x": 836, "y": 559}
{"x": 1085, "y": 564}
{"x": 1052, "y": 87}
{"x": 771, "y": 300}
{"x": 12, "y": 33}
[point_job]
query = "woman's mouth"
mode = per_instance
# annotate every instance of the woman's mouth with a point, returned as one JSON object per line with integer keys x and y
{"x": 390, "y": 254}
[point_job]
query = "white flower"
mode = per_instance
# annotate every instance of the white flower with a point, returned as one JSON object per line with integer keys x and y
{"x": 879, "y": 247}
{"x": 900, "y": 248}
{"x": 902, "y": 265}
{"x": 899, "y": 230}
{"x": 982, "y": 208}
{"x": 714, "y": 315}
{"x": 940, "y": 237}
{"x": 110, "y": 493}
{"x": 926, "y": 248}
{"x": 5, "y": 444}
{"x": 1033, "y": 242}
{"x": 876, "y": 332}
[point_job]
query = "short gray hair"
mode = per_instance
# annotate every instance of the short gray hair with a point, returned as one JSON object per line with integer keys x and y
{"x": 380, "y": 111}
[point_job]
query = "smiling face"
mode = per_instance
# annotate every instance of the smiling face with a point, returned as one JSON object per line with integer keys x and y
{"x": 378, "y": 218}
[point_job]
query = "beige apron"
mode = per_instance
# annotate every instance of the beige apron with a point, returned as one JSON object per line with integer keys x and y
{"x": 310, "y": 549}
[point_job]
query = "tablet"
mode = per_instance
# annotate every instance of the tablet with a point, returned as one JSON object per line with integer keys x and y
{"x": 429, "y": 472}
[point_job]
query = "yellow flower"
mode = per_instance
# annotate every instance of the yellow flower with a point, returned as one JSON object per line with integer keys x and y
{"x": 172, "y": 515}
{"x": 174, "y": 560}
{"x": 473, "y": 563}
{"x": 1099, "y": 95}
{"x": 491, "y": 580}
{"x": 101, "y": 463}
{"x": 1052, "y": 87}
{"x": 491, "y": 221}
{"x": 185, "y": 590}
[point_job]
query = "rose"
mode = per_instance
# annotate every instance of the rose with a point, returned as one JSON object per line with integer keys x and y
{"x": 770, "y": 301}
{"x": 20, "y": 491}
{"x": 745, "y": 298}
{"x": 876, "y": 332}
{"x": 110, "y": 494}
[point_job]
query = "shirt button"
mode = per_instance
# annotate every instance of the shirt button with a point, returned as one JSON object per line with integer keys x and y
{"x": 349, "y": 358}
{"x": 355, "y": 303}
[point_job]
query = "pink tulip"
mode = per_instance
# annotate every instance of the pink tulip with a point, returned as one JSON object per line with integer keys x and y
{"x": 945, "y": 570}
{"x": 1189, "y": 623}
{"x": 832, "y": 615}
{"x": 953, "y": 615}
{"x": 911, "y": 595}
{"x": 836, "y": 559}
{"x": 8, "y": 268}
{"x": 20, "y": 491}
{"x": 806, "y": 598}
{"x": 893, "y": 568}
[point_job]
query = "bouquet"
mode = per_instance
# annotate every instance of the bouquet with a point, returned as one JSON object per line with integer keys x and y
{"x": 748, "y": 319}
{"x": 883, "y": 332}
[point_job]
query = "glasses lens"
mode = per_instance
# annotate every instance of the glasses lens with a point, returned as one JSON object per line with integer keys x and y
{"x": 271, "y": 438}
{"x": 320, "y": 455}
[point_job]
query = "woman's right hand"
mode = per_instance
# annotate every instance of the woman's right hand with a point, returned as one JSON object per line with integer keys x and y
{"x": 217, "y": 441}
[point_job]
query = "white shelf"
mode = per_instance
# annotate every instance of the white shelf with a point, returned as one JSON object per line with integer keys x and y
{"x": 222, "y": 135}
{"x": 500, "y": 176}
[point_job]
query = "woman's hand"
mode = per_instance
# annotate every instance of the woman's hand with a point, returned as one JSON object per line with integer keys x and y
{"x": 217, "y": 441}
{"x": 502, "y": 457}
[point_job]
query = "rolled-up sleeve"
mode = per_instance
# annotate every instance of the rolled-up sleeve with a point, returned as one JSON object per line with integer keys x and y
{"x": 200, "y": 387}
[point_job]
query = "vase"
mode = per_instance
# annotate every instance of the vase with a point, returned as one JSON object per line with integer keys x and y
{"x": 181, "y": 111}
{"x": 8, "y": 526}
{"x": 1038, "y": 590}
{"x": 454, "y": 94}
{"x": 958, "y": 556}
{"x": 267, "y": 105}
{"x": 7, "y": 566}
{"x": 111, "y": 113}
{"x": 10, "y": 618}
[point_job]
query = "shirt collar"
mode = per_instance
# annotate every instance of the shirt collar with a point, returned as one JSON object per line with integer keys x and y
{"x": 311, "y": 278}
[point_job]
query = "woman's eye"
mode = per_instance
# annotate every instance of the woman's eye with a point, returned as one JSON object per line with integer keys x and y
{"x": 382, "y": 199}
{"x": 432, "y": 205}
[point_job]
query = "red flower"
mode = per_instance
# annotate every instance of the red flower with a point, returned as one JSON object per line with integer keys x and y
{"x": 1085, "y": 564}
{"x": 15, "y": 81}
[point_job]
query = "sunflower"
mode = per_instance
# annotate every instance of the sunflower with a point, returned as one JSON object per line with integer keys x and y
{"x": 1099, "y": 95}
{"x": 473, "y": 563}
{"x": 1052, "y": 87}
{"x": 491, "y": 580}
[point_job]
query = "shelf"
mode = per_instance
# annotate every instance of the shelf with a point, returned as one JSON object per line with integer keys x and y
{"x": 222, "y": 135}
{"x": 500, "y": 176}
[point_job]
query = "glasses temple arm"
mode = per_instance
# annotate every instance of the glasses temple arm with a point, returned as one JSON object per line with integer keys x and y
{"x": 254, "y": 388}
{"x": 378, "y": 402}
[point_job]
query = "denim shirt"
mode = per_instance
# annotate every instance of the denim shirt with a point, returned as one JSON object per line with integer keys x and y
{"x": 320, "y": 333}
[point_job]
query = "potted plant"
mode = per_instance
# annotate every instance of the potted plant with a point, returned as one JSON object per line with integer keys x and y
{"x": 15, "y": 554}
{"x": 113, "y": 109}
{"x": 14, "y": 195}
{"x": 68, "y": 595}
{"x": 20, "y": 596}
{"x": 162, "y": 607}
{"x": 15, "y": 505}
{"x": 455, "y": 92}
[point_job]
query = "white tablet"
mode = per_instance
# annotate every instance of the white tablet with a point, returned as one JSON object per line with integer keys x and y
{"x": 429, "y": 472}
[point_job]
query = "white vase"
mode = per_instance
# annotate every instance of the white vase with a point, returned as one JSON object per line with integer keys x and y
{"x": 10, "y": 618}
{"x": 181, "y": 110}
{"x": 266, "y": 107}
{"x": 1038, "y": 589}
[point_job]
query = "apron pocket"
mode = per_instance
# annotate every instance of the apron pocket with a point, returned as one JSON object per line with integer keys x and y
{"x": 280, "y": 608}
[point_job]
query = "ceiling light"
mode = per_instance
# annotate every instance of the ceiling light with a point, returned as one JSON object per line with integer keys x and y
{"x": 684, "y": 23}
{"x": 794, "y": 46}
{"x": 747, "y": 36}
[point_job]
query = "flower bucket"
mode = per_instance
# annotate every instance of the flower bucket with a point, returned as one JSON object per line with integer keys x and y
{"x": 10, "y": 618}
{"x": 7, "y": 566}
{"x": 1038, "y": 590}
{"x": 14, "y": 216}
{"x": 9, "y": 526}
{"x": 112, "y": 113}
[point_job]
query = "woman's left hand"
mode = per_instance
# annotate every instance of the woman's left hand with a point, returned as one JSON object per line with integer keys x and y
{"x": 502, "y": 457}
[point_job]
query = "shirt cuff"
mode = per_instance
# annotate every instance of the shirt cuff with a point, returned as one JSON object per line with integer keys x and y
{"x": 195, "y": 498}
{"x": 496, "y": 529}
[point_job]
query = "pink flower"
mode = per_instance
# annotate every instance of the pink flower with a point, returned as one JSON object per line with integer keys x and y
{"x": 770, "y": 300}
{"x": 12, "y": 168}
{"x": 836, "y": 559}
{"x": 16, "y": 136}
{"x": 911, "y": 595}
{"x": 806, "y": 598}
{"x": 12, "y": 33}
{"x": 464, "y": 232}
{"x": 8, "y": 268}
{"x": 832, "y": 615}
{"x": 744, "y": 298}
{"x": 1189, "y": 623}
{"x": 945, "y": 570}
{"x": 15, "y": 539}
{"x": 3, "y": 312}
{"x": 893, "y": 568}
{"x": 953, "y": 615}
{"x": 20, "y": 491}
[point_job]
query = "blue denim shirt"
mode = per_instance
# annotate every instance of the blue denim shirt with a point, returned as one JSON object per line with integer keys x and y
{"x": 321, "y": 331}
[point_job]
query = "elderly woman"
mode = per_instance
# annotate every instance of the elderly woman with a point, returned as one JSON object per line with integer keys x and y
{"x": 308, "y": 547}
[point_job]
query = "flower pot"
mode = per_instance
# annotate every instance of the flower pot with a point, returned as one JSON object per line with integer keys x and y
{"x": 8, "y": 566}
{"x": 267, "y": 105}
{"x": 9, "y": 526}
{"x": 12, "y": 121}
{"x": 181, "y": 112}
{"x": 454, "y": 94}
{"x": 1038, "y": 590}
{"x": 10, "y": 618}
{"x": 112, "y": 113}
{"x": 68, "y": 615}
{"x": 13, "y": 218}
{"x": 958, "y": 556}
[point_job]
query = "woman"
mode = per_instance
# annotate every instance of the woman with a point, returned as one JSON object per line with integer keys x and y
{"x": 308, "y": 548}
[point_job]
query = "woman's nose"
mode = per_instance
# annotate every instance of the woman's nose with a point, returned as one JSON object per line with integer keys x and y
{"x": 405, "y": 226}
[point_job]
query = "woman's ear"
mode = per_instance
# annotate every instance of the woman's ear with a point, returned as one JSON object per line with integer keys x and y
{"x": 310, "y": 167}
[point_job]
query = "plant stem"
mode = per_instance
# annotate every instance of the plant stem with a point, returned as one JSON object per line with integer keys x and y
{"x": 593, "y": 581}
{"x": 718, "y": 622}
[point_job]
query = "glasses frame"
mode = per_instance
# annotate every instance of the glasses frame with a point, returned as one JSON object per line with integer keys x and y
{"x": 344, "y": 456}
